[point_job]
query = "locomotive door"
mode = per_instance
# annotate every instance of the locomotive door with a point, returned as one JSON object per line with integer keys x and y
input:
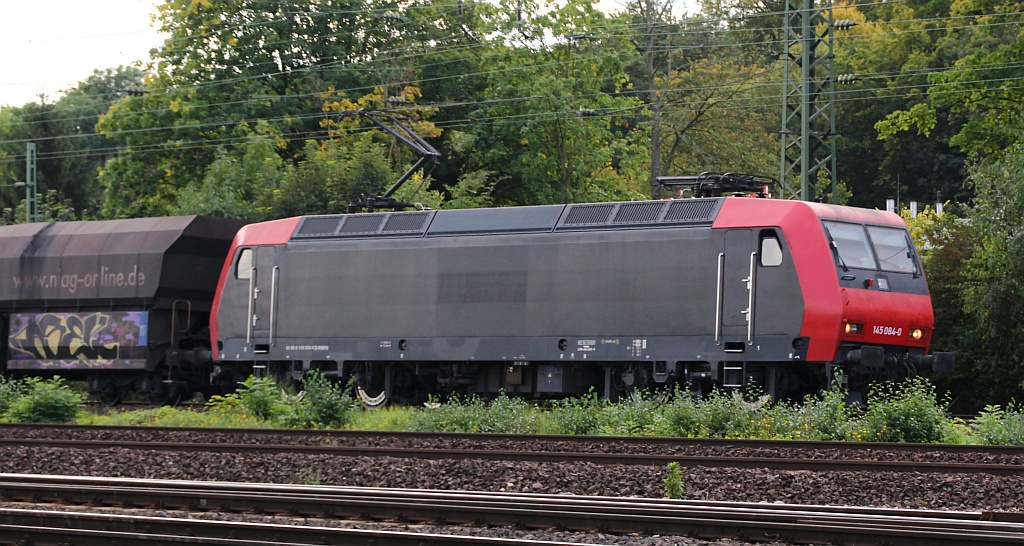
{"x": 736, "y": 285}
{"x": 263, "y": 295}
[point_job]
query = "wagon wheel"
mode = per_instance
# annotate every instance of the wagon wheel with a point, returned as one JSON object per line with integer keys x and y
{"x": 110, "y": 393}
{"x": 372, "y": 386}
{"x": 163, "y": 394}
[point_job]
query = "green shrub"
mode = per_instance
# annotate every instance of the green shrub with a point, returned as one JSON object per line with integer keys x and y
{"x": 10, "y": 389}
{"x": 389, "y": 418}
{"x": 681, "y": 416}
{"x": 908, "y": 411}
{"x": 456, "y": 414}
{"x": 513, "y": 415}
{"x": 729, "y": 415}
{"x": 638, "y": 414}
{"x": 323, "y": 403}
{"x": 222, "y": 412}
{"x": 776, "y": 421}
{"x": 503, "y": 415}
{"x": 262, "y": 397}
{"x": 824, "y": 417}
{"x": 673, "y": 482}
{"x": 998, "y": 427}
{"x": 45, "y": 401}
{"x": 580, "y": 415}
{"x": 258, "y": 400}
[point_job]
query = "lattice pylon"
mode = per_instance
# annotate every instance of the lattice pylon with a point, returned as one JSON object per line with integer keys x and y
{"x": 808, "y": 109}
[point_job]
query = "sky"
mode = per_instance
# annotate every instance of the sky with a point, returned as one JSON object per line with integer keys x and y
{"x": 50, "y": 45}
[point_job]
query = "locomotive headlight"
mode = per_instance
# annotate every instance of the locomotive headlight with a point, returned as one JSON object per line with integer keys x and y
{"x": 852, "y": 328}
{"x": 917, "y": 334}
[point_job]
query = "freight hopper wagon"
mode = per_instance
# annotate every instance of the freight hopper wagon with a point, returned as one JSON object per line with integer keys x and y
{"x": 555, "y": 300}
{"x": 123, "y": 304}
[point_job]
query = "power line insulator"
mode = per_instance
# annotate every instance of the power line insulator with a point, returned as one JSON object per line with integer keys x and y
{"x": 847, "y": 78}
{"x": 844, "y": 24}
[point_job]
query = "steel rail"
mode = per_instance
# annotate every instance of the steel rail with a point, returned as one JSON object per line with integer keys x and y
{"x": 47, "y": 527}
{"x": 749, "y": 521}
{"x": 719, "y": 461}
{"x": 597, "y": 443}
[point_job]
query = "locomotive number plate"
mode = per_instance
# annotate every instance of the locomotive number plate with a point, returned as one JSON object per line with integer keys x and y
{"x": 887, "y": 331}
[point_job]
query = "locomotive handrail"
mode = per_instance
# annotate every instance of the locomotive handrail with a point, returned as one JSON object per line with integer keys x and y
{"x": 718, "y": 298}
{"x": 750, "y": 298}
{"x": 252, "y": 302}
{"x": 275, "y": 274}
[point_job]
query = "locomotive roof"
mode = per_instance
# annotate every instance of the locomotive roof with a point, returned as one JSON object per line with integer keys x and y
{"x": 535, "y": 219}
{"x": 704, "y": 212}
{"x": 115, "y": 262}
{"x": 717, "y": 212}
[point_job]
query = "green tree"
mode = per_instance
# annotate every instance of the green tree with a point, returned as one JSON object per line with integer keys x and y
{"x": 709, "y": 95}
{"x": 326, "y": 181}
{"x": 234, "y": 187}
{"x": 993, "y": 279}
{"x": 972, "y": 103}
{"x": 68, "y": 149}
{"x": 892, "y": 49}
{"x": 230, "y": 65}
{"x": 554, "y": 123}
{"x": 225, "y": 65}
{"x": 947, "y": 244}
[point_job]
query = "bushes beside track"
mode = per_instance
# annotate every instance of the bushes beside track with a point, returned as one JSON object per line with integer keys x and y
{"x": 37, "y": 400}
{"x": 911, "y": 411}
{"x": 321, "y": 403}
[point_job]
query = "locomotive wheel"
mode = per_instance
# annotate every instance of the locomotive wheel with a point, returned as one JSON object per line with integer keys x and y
{"x": 372, "y": 386}
{"x": 110, "y": 393}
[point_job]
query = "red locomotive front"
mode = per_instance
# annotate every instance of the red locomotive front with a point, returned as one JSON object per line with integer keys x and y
{"x": 867, "y": 307}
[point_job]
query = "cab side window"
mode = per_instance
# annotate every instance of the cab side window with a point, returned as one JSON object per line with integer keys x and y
{"x": 243, "y": 264}
{"x": 771, "y": 249}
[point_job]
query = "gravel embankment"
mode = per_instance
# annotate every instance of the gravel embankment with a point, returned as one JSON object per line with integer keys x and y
{"x": 888, "y": 489}
{"x": 882, "y": 489}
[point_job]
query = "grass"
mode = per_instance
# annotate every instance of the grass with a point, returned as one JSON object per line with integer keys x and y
{"x": 389, "y": 419}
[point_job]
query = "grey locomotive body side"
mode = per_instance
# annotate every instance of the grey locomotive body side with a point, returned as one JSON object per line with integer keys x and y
{"x": 469, "y": 303}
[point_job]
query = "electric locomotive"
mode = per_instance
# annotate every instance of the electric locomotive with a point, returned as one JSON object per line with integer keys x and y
{"x": 546, "y": 301}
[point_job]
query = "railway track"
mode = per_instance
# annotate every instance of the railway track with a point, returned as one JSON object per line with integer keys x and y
{"x": 782, "y": 455}
{"x": 577, "y": 443}
{"x": 800, "y": 524}
{"x": 44, "y": 528}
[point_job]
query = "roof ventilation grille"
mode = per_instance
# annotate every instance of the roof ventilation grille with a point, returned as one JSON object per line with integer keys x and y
{"x": 588, "y": 214}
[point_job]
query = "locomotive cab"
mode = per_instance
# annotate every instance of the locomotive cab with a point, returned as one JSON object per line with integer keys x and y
{"x": 887, "y": 316}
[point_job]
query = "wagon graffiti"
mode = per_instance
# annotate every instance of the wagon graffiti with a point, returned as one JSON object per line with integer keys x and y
{"x": 76, "y": 340}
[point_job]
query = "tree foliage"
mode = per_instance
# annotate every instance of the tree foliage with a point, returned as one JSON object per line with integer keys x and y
{"x": 993, "y": 278}
{"x": 68, "y": 150}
